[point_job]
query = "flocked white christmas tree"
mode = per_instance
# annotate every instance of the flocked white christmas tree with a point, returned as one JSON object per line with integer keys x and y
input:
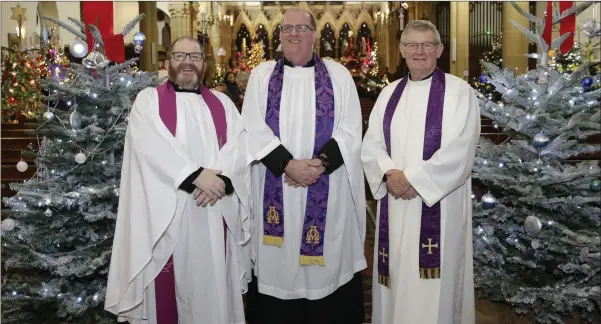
{"x": 58, "y": 228}
{"x": 537, "y": 229}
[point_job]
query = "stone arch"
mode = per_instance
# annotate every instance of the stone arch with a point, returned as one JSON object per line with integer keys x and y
{"x": 364, "y": 17}
{"x": 243, "y": 19}
{"x": 345, "y": 18}
{"x": 261, "y": 19}
{"x": 276, "y": 21}
{"x": 49, "y": 9}
{"x": 327, "y": 18}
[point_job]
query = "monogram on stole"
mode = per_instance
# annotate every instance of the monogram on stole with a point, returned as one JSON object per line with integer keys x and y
{"x": 273, "y": 217}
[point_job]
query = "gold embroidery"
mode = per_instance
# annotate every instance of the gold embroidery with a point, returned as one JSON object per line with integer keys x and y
{"x": 429, "y": 246}
{"x": 313, "y": 235}
{"x": 273, "y": 217}
{"x": 384, "y": 255}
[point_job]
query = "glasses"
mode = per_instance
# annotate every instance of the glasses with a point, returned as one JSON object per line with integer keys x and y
{"x": 425, "y": 46}
{"x": 299, "y": 28}
{"x": 181, "y": 56}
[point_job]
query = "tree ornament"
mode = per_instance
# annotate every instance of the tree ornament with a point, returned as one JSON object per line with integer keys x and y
{"x": 595, "y": 185}
{"x": 78, "y": 48}
{"x": 587, "y": 82}
{"x": 488, "y": 201}
{"x": 48, "y": 212}
{"x": 591, "y": 28}
{"x": 552, "y": 53}
{"x": 22, "y": 166}
{"x": 75, "y": 120}
{"x": 80, "y": 158}
{"x": 540, "y": 140}
{"x": 533, "y": 226}
{"x": 139, "y": 38}
{"x": 125, "y": 79}
{"x": 483, "y": 78}
{"x": 48, "y": 116}
{"x": 8, "y": 224}
{"x": 95, "y": 60}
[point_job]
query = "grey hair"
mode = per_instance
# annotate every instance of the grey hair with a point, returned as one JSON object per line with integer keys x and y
{"x": 420, "y": 25}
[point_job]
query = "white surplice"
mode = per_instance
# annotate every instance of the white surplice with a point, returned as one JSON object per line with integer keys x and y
{"x": 445, "y": 178}
{"x": 155, "y": 219}
{"x": 278, "y": 268}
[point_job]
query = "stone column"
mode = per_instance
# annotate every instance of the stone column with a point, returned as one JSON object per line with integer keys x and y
{"x": 515, "y": 44}
{"x": 180, "y": 19}
{"x": 149, "y": 58}
{"x": 460, "y": 34}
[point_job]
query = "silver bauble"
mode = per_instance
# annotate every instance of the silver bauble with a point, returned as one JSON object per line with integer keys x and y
{"x": 48, "y": 116}
{"x": 533, "y": 226}
{"x": 78, "y": 48}
{"x": 80, "y": 158}
{"x": 8, "y": 224}
{"x": 48, "y": 212}
{"x": 22, "y": 166}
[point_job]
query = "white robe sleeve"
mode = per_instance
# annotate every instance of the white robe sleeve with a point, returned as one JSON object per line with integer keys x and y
{"x": 451, "y": 166}
{"x": 254, "y": 108}
{"x": 375, "y": 158}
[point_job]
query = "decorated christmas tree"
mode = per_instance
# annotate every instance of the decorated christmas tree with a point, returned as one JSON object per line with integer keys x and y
{"x": 481, "y": 84}
{"x": 256, "y": 55}
{"x": 21, "y": 74}
{"x": 537, "y": 226}
{"x": 57, "y": 230}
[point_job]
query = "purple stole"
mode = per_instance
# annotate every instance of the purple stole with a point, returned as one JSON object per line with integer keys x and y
{"x": 313, "y": 236}
{"x": 166, "y": 304}
{"x": 429, "y": 238}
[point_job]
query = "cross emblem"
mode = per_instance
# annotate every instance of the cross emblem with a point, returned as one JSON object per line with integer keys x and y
{"x": 429, "y": 246}
{"x": 383, "y": 254}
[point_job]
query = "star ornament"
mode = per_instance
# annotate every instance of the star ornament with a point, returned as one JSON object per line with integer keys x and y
{"x": 18, "y": 12}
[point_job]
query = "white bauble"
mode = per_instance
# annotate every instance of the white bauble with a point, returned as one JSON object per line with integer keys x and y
{"x": 80, "y": 158}
{"x": 22, "y": 166}
{"x": 8, "y": 224}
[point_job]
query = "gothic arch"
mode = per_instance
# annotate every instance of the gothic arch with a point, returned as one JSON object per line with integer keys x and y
{"x": 346, "y": 18}
{"x": 327, "y": 18}
{"x": 364, "y": 17}
{"x": 276, "y": 21}
{"x": 261, "y": 19}
{"x": 49, "y": 9}
{"x": 243, "y": 19}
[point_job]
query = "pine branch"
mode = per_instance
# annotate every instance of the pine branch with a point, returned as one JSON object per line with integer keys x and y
{"x": 96, "y": 34}
{"x": 67, "y": 27}
{"x": 531, "y": 36}
{"x": 117, "y": 67}
{"x": 128, "y": 28}
{"x": 574, "y": 10}
{"x": 79, "y": 23}
{"x": 526, "y": 14}
{"x": 559, "y": 40}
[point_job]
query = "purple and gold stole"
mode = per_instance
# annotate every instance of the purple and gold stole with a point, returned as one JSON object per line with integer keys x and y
{"x": 312, "y": 239}
{"x": 429, "y": 238}
{"x": 166, "y": 304}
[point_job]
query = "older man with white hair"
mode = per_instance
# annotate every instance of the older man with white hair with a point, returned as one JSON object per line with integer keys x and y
{"x": 418, "y": 155}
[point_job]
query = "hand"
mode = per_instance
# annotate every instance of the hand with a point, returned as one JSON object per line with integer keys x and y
{"x": 303, "y": 172}
{"x": 209, "y": 184}
{"x": 396, "y": 183}
{"x": 290, "y": 182}
{"x": 202, "y": 198}
{"x": 409, "y": 194}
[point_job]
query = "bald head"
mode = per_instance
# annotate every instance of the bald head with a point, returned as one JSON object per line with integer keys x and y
{"x": 297, "y": 35}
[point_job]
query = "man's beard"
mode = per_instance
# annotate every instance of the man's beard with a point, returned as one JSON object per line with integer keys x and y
{"x": 186, "y": 81}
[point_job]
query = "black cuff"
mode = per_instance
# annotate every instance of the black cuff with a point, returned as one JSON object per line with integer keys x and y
{"x": 229, "y": 188}
{"x": 188, "y": 184}
{"x": 277, "y": 160}
{"x": 333, "y": 158}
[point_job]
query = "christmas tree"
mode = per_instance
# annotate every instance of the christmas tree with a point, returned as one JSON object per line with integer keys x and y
{"x": 481, "y": 84}
{"x": 256, "y": 55}
{"x": 536, "y": 230}
{"x": 58, "y": 228}
{"x": 21, "y": 74}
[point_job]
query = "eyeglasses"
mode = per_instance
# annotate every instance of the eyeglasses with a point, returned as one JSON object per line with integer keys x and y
{"x": 181, "y": 56}
{"x": 426, "y": 46}
{"x": 299, "y": 28}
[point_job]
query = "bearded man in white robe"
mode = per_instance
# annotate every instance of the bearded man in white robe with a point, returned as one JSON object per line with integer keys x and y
{"x": 183, "y": 209}
{"x": 418, "y": 154}
{"x": 304, "y": 122}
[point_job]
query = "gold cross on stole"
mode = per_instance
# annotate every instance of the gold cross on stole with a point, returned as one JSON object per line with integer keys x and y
{"x": 429, "y": 246}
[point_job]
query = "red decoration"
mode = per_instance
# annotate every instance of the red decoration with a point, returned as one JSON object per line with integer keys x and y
{"x": 568, "y": 24}
{"x": 100, "y": 14}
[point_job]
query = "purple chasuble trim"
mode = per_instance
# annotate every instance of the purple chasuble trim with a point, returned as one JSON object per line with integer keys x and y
{"x": 164, "y": 283}
{"x": 429, "y": 241}
{"x": 313, "y": 234}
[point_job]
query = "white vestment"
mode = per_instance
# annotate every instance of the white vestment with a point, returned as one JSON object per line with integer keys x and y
{"x": 444, "y": 178}
{"x": 278, "y": 268}
{"x": 156, "y": 220}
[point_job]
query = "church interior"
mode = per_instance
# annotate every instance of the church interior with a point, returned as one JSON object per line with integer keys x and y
{"x": 362, "y": 35}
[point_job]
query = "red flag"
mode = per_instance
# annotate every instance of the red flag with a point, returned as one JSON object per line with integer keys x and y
{"x": 568, "y": 24}
{"x": 100, "y": 14}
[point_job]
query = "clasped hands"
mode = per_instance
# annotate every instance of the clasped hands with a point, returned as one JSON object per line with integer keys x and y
{"x": 398, "y": 185}
{"x": 209, "y": 187}
{"x": 303, "y": 173}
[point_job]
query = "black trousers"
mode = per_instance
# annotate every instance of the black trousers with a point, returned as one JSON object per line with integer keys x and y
{"x": 344, "y": 306}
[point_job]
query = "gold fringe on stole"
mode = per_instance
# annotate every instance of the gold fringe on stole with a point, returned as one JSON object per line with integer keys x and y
{"x": 310, "y": 260}
{"x": 429, "y": 273}
{"x": 384, "y": 280}
{"x": 273, "y": 240}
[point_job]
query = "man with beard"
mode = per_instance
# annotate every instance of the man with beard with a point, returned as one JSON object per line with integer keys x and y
{"x": 183, "y": 210}
{"x": 304, "y": 121}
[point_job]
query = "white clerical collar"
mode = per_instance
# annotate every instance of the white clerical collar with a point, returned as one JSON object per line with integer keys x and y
{"x": 424, "y": 79}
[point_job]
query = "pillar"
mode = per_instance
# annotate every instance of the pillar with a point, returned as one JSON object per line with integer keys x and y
{"x": 149, "y": 58}
{"x": 515, "y": 43}
{"x": 180, "y": 19}
{"x": 460, "y": 39}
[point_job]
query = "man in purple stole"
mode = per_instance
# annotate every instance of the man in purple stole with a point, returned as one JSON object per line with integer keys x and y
{"x": 308, "y": 198}
{"x": 183, "y": 218}
{"x": 418, "y": 155}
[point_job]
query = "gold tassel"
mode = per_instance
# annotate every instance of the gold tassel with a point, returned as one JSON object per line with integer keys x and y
{"x": 384, "y": 280}
{"x": 429, "y": 273}
{"x": 273, "y": 240}
{"x": 310, "y": 260}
